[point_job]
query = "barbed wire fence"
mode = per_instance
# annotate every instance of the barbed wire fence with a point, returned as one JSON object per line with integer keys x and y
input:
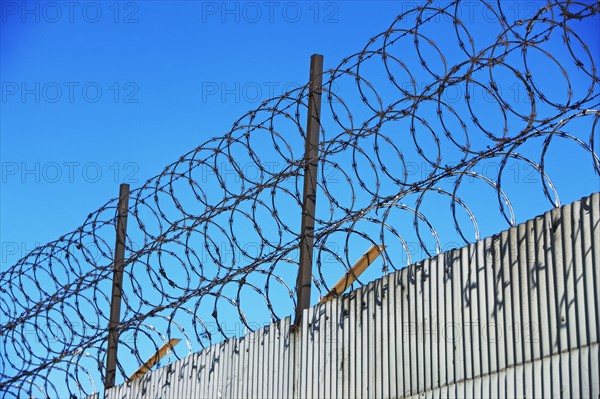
{"x": 408, "y": 128}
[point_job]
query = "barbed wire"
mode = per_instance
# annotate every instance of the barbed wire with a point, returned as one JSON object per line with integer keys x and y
{"x": 409, "y": 128}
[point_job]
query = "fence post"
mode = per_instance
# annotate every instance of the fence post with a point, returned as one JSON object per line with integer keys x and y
{"x": 115, "y": 303}
{"x": 309, "y": 197}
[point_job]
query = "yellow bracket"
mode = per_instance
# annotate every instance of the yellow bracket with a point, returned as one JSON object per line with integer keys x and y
{"x": 166, "y": 348}
{"x": 356, "y": 270}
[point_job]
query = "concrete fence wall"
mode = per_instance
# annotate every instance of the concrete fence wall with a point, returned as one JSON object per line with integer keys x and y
{"x": 516, "y": 314}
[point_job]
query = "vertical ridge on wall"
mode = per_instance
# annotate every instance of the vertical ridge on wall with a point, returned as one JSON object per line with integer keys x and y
{"x": 514, "y": 315}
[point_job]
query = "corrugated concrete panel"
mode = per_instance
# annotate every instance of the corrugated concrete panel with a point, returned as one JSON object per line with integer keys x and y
{"x": 526, "y": 380}
{"x": 516, "y": 314}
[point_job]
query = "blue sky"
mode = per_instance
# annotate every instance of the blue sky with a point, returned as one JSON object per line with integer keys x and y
{"x": 99, "y": 93}
{"x": 170, "y": 77}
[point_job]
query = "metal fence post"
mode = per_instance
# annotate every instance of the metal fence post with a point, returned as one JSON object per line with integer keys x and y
{"x": 311, "y": 158}
{"x": 115, "y": 303}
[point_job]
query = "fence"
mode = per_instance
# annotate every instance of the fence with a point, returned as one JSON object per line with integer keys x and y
{"x": 438, "y": 133}
{"x": 514, "y": 315}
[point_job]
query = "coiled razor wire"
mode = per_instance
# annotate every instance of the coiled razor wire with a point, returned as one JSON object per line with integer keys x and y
{"x": 420, "y": 135}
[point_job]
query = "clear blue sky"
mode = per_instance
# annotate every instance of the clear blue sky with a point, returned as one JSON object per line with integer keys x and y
{"x": 170, "y": 77}
{"x": 99, "y": 93}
